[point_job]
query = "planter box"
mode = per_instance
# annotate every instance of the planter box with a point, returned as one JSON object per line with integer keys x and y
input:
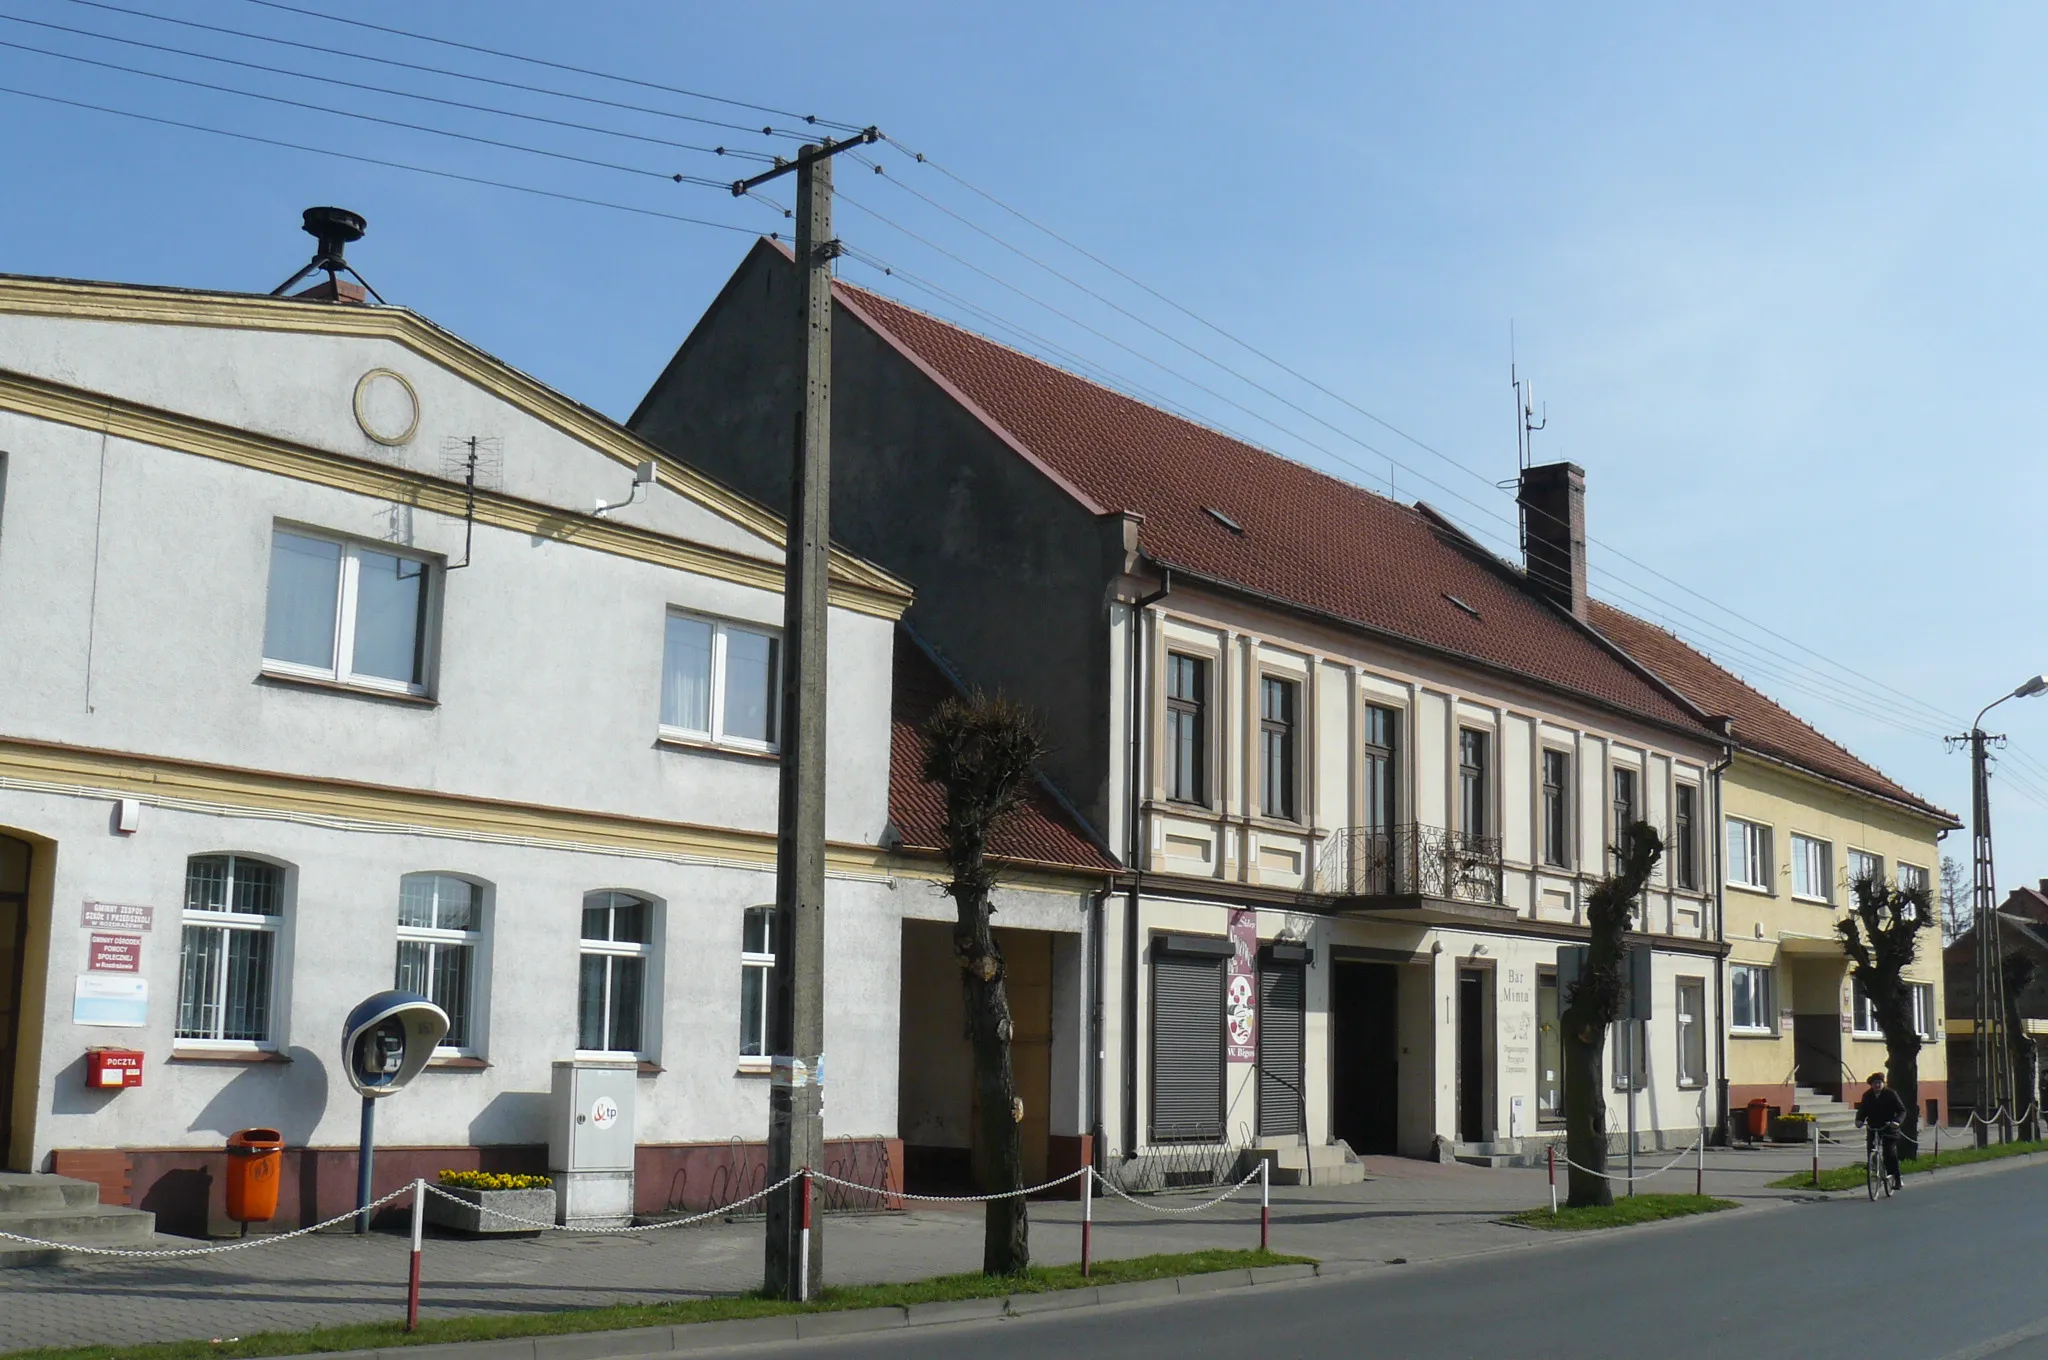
{"x": 1791, "y": 1130}
{"x": 486, "y": 1211}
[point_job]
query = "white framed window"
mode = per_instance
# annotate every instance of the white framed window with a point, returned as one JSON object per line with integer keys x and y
{"x": 1749, "y": 999}
{"x": 612, "y": 999}
{"x": 1749, "y": 854}
{"x": 1923, "y": 1009}
{"x": 440, "y": 936}
{"x": 354, "y": 613}
{"x": 1628, "y": 1048}
{"x": 227, "y": 957}
{"x": 1691, "y": 1017}
{"x": 1863, "y": 864}
{"x": 1912, "y": 877}
{"x": 1864, "y": 1022}
{"x": 757, "y": 976}
{"x": 1811, "y": 876}
{"x": 720, "y": 682}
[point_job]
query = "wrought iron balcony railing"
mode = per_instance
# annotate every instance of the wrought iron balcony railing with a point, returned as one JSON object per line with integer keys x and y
{"x": 1410, "y": 860}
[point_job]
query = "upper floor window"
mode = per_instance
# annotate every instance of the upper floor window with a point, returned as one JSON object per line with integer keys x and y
{"x": 757, "y": 975}
{"x": 1277, "y": 702}
{"x": 440, "y": 930}
{"x": 1382, "y": 781}
{"x": 618, "y": 938}
{"x": 1187, "y": 728}
{"x": 349, "y": 612}
{"x": 1863, "y": 864}
{"x": 1749, "y": 854}
{"x": 1627, "y": 801}
{"x": 1685, "y": 836}
{"x": 1912, "y": 878}
{"x": 1557, "y": 808}
{"x": 720, "y": 682}
{"x": 1811, "y": 873}
{"x": 227, "y": 964}
{"x": 1473, "y": 804}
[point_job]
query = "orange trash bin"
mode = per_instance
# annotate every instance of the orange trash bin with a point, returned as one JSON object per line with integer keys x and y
{"x": 1759, "y": 1117}
{"x": 255, "y": 1159}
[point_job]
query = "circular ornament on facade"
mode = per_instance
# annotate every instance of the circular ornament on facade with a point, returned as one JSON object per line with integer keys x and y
{"x": 386, "y": 407}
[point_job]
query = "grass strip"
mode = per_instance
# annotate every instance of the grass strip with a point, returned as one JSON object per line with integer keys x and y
{"x": 1629, "y": 1209}
{"x": 1851, "y": 1177}
{"x": 373, "y": 1335}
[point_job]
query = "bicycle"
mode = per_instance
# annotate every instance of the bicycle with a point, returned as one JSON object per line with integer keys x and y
{"x": 1876, "y": 1180}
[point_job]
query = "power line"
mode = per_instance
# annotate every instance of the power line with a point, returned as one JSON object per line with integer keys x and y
{"x": 328, "y": 51}
{"x": 556, "y": 65}
{"x": 369, "y": 117}
{"x": 386, "y": 164}
{"x": 385, "y": 89}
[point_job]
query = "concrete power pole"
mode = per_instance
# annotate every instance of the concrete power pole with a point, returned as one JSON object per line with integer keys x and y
{"x": 796, "y": 1033}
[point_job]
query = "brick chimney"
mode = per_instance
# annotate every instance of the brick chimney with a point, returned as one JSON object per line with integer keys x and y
{"x": 1553, "y": 501}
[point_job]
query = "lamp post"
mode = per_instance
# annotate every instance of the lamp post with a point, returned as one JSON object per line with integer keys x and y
{"x": 1990, "y": 1047}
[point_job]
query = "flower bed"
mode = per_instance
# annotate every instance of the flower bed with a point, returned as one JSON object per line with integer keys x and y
{"x": 490, "y": 1203}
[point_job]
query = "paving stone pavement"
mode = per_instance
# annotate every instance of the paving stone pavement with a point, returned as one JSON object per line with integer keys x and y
{"x": 1408, "y": 1212}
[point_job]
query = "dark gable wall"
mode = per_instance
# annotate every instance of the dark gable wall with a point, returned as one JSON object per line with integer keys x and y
{"x": 1011, "y": 574}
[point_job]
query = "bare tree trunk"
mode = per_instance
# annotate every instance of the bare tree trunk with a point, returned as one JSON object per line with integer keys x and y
{"x": 1006, "y": 1236}
{"x": 1585, "y": 1107}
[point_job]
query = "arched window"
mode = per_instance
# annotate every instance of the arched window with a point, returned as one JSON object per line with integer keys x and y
{"x": 440, "y": 931}
{"x": 234, "y": 906}
{"x": 618, "y": 938}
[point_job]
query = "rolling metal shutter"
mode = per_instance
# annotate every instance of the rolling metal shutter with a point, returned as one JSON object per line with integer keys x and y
{"x": 1187, "y": 1047}
{"x": 1281, "y": 1059}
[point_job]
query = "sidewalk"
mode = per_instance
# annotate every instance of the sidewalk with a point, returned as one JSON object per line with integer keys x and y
{"x": 1410, "y": 1212}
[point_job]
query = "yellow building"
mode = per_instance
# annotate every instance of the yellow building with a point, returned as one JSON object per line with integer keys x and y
{"x": 1801, "y": 819}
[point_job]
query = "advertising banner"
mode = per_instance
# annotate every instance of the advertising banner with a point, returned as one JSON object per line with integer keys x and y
{"x": 1241, "y": 996}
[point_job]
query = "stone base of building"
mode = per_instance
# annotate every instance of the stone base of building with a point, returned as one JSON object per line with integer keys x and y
{"x": 186, "y": 1187}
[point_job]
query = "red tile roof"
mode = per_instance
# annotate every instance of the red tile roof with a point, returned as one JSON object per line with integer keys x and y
{"x": 1305, "y": 538}
{"x": 1042, "y": 832}
{"x": 1760, "y": 724}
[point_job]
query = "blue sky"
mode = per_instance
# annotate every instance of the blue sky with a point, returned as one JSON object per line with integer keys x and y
{"x": 1778, "y": 279}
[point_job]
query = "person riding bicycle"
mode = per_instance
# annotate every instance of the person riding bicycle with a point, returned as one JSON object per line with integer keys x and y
{"x": 1882, "y": 1111}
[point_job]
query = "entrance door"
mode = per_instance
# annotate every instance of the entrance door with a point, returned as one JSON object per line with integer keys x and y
{"x": 1471, "y": 1055}
{"x": 14, "y": 858}
{"x": 1365, "y": 1054}
{"x": 1281, "y": 1050}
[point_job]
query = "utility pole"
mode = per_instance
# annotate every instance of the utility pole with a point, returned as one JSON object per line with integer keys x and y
{"x": 796, "y": 1023}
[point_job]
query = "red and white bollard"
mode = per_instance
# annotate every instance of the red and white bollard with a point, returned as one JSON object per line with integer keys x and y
{"x": 803, "y": 1247}
{"x": 1087, "y": 1215}
{"x": 1550, "y": 1151}
{"x": 1816, "y": 1153}
{"x": 412, "y": 1284}
{"x": 1265, "y": 1202}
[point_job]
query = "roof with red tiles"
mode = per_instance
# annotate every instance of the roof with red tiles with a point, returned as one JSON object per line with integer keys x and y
{"x": 1761, "y": 724}
{"x": 1221, "y": 509}
{"x": 1041, "y": 832}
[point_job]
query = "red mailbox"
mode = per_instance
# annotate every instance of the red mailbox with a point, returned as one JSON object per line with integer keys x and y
{"x": 113, "y": 1069}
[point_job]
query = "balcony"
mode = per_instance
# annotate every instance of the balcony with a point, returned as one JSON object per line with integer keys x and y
{"x": 1409, "y": 862}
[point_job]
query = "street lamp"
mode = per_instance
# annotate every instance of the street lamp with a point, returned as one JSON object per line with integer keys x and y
{"x": 1990, "y": 1049}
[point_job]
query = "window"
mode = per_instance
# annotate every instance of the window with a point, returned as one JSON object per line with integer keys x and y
{"x": 1276, "y": 745}
{"x": 720, "y": 683}
{"x": 618, "y": 934}
{"x": 1749, "y": 988}
{"x": 1627, "y": 805}
{"x": 1557, "y": 822}
{"x": 347, "y": 612}
{"x": 1549, "y": 1048}
{"x": 1923, "y": 1008}
{"x": 1472, "y": 782}
{"x": 440, "y": 927}
{"x": 757, "y": 978}
{"x": 1187, "y": 729}
{"x": 1627, "y": 1050}
{"x": 1382, "y": 749}
{"x": 1863, "y": 864}
{"x": 1691, "y": 1016}
{"x": 1749, "y": 855}
{"x": 1685, "y": 836}
{"x": 1912, "y": 878}
{"x": 1810, "y": 876}
{"x": 1865, "y": 1021}
{"x": 228, "y": 954}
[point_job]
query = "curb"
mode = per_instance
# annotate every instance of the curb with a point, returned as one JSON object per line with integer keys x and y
{"x": 1811, "y": 1194}
{"x": 691, "y": 1338}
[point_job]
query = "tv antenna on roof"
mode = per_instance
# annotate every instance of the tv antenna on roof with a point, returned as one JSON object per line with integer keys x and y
{"x": 474, "y": 460}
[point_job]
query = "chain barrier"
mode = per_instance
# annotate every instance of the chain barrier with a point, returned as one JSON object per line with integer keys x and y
{"x": 824, "y": 1179}
{"x": 2032, "y": 1111}
{"x": 245, "y": 1244}
{"x": 719, "y": 1212}
{"x": 1113, "y": 1188}
{"x": 1685, "y": 1152}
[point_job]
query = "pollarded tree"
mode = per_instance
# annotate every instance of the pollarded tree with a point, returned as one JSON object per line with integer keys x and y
{"x": 1595, "y": 1004}
{"x": 1881, "y": 935}
{"x": 983, "y": 751}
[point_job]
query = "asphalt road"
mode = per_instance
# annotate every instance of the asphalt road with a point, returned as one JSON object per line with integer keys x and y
{"x": 1952, "y": 1269}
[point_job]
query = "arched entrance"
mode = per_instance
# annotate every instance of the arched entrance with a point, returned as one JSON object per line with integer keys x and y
{"x": 15, "y": 860}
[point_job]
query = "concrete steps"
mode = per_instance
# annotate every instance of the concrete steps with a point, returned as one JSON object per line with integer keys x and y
{"x": 1837, "y": 1121}
{"x": 1332, "y": 1164}
{"x": 1523, "y": 1152}
{"x": 63, "y": 1209}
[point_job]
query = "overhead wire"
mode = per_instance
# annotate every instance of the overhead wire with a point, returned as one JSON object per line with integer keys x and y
{"x": 386, "y": 164}
{"x": 388, "y": 90}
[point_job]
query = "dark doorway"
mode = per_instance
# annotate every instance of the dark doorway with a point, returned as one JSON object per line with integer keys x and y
{"x": 1817, "y": 1053}
{"x": 1471, "y": 1055}
{"x": 1365, "y": 1055}
{"x": 14, "y": 861}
